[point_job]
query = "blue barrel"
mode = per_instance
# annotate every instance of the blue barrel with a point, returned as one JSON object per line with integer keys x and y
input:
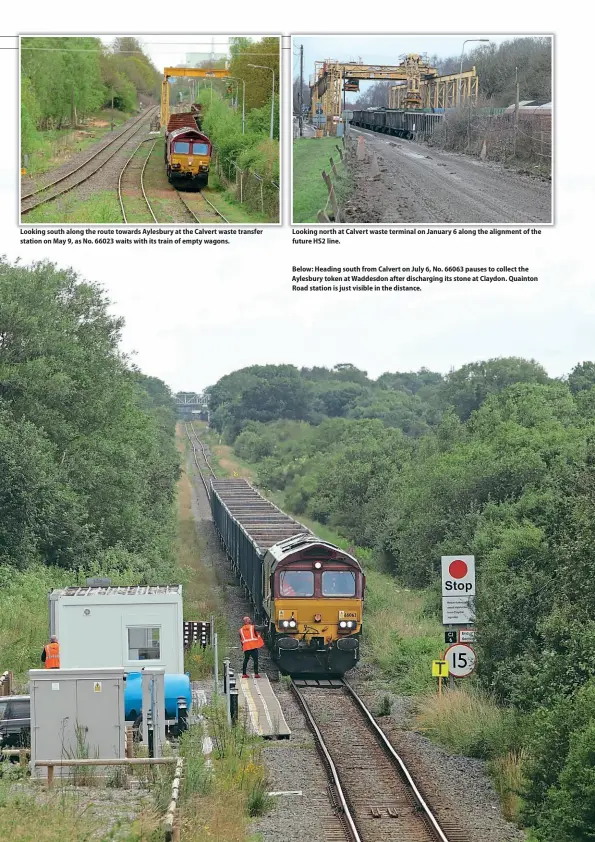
{"x": 176, "y": 686}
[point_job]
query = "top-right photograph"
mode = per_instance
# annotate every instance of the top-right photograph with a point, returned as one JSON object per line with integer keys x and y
{"x": 423, "y": 129}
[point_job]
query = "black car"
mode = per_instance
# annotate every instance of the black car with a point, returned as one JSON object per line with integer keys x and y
{"x": 15, "y": 722}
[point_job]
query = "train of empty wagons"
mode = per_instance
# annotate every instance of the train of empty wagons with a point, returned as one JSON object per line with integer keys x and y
{"x": 308, "y": 593}
{"x": 187, "y": 149}
{"x": 406, "y": 124}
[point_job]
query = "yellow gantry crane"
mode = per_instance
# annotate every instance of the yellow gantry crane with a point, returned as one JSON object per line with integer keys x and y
{"x": 440, "y": 91}
{"x": 421, "y": 85}
{"x": 193, "y": 72}
{"x": 332, "y": 77}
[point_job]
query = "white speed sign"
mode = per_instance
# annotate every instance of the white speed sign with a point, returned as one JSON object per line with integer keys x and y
{"x": 461, "y": 660}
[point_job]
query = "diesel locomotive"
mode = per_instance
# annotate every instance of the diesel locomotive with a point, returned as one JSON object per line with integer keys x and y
{"x": 307, "y": 592}
{"x": 187, "y": 150}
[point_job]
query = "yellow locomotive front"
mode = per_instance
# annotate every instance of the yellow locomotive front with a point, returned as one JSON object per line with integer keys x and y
{"x": 188, "y": 157}
{"x": 313, "y": 598}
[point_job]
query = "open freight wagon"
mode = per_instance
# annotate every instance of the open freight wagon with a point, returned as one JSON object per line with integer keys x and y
{"x": 307, "y": 591}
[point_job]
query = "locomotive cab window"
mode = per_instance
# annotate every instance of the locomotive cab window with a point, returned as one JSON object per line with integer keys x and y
{"x": 338, "y": 583}
{"x": 200, "y": 148}
{"x": 296, "y": 583}
{"x": 182, "y": 147}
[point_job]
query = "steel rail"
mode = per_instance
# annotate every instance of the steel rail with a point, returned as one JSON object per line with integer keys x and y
{"x": 385, "y": 744}
{"x": 398, "y": 760}
{"x": 84, "y": 164}
{"x": 217, "y": 211}
{"x": 123, "y": 170}
{"x": 210, "y": 204}
{"x": 189, "y": 209}
{"x": 346, "y": 817}
{"x": 142, "y": 184}
{"x": 204, "y": 456}
{"x": 202, "y": 447}
{"x": 82, "y": 180}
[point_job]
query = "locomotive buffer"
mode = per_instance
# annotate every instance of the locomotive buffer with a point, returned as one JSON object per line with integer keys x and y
{"x": 261, "y": 707}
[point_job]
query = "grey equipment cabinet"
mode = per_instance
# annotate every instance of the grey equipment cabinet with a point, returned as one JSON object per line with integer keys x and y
{"x": 76, "y": 713}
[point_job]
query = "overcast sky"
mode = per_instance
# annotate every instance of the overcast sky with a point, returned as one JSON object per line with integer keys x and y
{"x": 379, "y": 49}
{"x": 171, "y": 50}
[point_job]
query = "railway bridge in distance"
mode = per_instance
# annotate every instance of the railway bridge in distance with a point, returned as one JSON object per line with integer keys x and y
{"x": 191, "y": 406}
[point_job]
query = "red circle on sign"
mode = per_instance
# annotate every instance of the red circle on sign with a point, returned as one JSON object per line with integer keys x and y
{"x": 458, "y": 568}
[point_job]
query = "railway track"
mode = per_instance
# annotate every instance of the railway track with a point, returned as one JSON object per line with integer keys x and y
{"x": 86, "y": 169}
{"x": 201, "y": 458}
{"x": 131, "y": 181}
{"x": 206, "y": 213}
{"x": 374, "y": 792}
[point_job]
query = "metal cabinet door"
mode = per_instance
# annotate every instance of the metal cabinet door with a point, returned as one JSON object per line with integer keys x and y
{"x": 53, "y": 721}
{"x": 100, "y": 708}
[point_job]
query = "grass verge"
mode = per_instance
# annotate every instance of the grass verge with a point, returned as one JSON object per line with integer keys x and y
{"x": 467, "y": 721}
{"x": 101, "y": 208}
{"x": 29, "y": 815}
{"x": 223, "y": 197}
{"x": 310, "y": 157}
{"x": 202, "y": 598}
{"x": 219, "y": 799}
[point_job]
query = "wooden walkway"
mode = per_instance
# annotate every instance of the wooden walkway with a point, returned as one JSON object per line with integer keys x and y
{"x": 265, "y": 716}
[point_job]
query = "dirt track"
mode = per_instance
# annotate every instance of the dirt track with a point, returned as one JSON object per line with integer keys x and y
{"x": 418, "y": 184}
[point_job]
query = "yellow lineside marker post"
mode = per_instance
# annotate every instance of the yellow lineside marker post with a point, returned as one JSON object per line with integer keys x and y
{"x": 440, "y": 671}
{"x": 23, "y": 171}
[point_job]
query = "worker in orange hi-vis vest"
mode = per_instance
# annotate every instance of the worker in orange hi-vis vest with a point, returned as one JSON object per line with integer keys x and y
{"x": 51, "y": 654}
{"x": 251, "y": 643}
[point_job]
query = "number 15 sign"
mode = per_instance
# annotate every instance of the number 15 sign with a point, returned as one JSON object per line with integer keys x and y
{"x": 461, "y": 660}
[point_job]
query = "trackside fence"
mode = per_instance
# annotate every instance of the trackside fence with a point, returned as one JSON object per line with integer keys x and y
{"x": 258, "y": 193}
{"x": 330, "y": 212}
{"x": 524, "y": 141}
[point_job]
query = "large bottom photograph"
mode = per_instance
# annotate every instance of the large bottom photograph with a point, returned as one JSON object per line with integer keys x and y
{"x": 287, "y": 599}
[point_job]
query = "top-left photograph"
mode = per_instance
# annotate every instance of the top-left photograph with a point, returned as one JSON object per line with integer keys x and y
{"x": 150, "y": 129}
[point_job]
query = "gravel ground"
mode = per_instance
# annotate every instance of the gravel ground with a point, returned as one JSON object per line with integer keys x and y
{"x": 33, "y": 182}
{"x": 457, "y": 788}
{"x": 294, "y": 764}
{"x": 420, "y": 185}
{"x": 114, "y": 808}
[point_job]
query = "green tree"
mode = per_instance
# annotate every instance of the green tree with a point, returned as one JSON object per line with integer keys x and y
{"x": 469, "y": 386}
{"x": 61, "y": 371}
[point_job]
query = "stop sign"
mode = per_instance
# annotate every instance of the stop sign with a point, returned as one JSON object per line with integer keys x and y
{"x": 458, "y": 575}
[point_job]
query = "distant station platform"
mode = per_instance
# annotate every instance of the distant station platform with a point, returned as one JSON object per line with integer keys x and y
{"x": 265, "y": 716}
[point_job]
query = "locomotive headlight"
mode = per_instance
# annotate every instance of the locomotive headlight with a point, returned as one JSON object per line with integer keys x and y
{"x": 317, "y": 565}
{"x": 343, "y": 624}
{"x": 292, "y": 624}
{"x": 285, "y": 624}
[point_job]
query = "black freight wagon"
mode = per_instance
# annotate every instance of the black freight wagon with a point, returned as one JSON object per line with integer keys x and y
{"x": 248, "y": 525}
{"x": 406, "y": 124}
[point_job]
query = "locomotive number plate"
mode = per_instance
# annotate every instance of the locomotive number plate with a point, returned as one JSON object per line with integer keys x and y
{"x": 348, "y": 615}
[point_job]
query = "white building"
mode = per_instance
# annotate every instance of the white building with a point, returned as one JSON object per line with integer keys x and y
{"x": 129, "y": 627}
